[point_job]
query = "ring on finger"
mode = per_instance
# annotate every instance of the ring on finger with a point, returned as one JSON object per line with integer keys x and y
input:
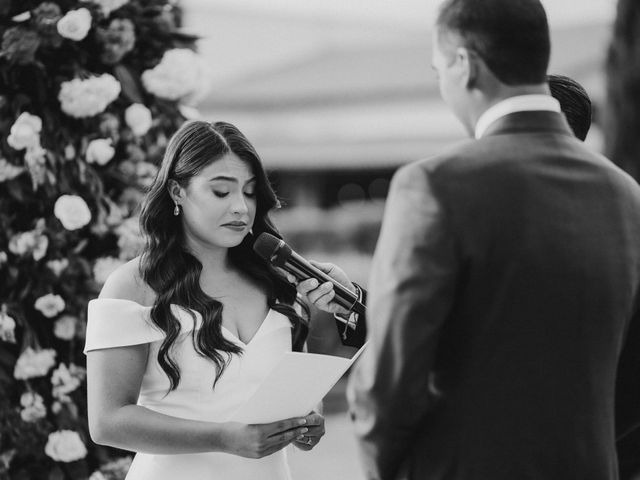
{"x": 309, "y": 441}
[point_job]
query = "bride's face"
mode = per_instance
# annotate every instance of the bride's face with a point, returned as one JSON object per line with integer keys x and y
{"x": 218, "y": 206}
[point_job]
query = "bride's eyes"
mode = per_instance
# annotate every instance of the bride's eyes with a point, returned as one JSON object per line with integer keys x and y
{"x": 219, "y": 194}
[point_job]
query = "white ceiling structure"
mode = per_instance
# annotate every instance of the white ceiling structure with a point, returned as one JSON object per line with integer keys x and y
{"x": 319, "y": 84}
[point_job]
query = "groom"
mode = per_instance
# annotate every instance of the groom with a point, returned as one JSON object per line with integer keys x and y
{"x": 505, "y": 280}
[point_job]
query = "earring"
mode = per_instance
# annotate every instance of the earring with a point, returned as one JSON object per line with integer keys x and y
{"x": 176, "y": 211}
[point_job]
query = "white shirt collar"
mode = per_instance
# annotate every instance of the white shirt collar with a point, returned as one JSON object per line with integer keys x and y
{"x": 520, "y": 103}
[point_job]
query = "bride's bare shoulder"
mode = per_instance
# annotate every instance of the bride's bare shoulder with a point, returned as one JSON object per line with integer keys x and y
{"x": 125, "y": 283}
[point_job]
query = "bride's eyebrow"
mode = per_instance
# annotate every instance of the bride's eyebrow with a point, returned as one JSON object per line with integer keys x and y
{"x": 225, "y": 178}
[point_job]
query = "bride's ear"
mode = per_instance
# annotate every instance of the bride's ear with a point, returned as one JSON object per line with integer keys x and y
{"x": 176, "y": 192}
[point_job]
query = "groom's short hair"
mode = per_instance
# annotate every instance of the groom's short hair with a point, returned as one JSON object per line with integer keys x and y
{"x": 511, "y": 36}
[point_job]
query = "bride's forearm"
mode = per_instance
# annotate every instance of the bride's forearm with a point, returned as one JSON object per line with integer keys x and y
{"x": 139, "y": 429}
{"x": 136, "y": 428}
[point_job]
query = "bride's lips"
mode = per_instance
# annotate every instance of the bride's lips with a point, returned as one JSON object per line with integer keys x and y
{"x": 237, "y": 226}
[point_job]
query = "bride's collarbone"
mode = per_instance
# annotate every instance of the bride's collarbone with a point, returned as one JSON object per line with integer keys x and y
{"x": 243, "y": 309}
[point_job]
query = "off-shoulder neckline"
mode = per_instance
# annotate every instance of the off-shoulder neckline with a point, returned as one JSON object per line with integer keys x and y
{"x": 124, "y": 300}
{"x": 235, "y": 337}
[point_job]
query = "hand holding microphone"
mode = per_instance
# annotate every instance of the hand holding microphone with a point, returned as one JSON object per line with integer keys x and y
{"x": 322, "y": 294}
{"x": 325, "y": 285}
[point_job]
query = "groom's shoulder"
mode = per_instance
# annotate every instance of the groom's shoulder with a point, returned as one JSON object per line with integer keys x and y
{"x": 451, "y": 162}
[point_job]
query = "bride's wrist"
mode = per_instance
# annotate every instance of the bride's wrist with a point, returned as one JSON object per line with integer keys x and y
{"x": 220, "y": 437}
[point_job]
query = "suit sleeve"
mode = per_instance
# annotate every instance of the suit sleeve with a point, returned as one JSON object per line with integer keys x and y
{"x": 411, "y": 290}
{"x": 628, "y": 385}
{"x": 354, "y": 337}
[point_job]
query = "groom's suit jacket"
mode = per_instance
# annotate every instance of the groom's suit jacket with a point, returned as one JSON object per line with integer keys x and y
{"x": 503, "y": 286}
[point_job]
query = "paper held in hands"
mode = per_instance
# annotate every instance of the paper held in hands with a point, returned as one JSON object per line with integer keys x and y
{"x": 294, "y": 387}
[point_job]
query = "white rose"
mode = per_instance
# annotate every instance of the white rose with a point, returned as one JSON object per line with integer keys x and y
{"x": 65, "y": 327}
{"x": 104, "y": 267}
{"x": 118, "y": 467}
{"x": 146, "y": 173}
{"x": 100, "y": 151}
{"x": 35, "y": 155}
{"x": 50, "y": 305}
{"x": 116, "y": 215}
{"x": 63, "y": 382}
{"x": 85, "y": 98}
{"x": 130, "y": 240}
{"x": 75, "y": 24}
{"x": 72, "y": 211}
{"x": 7, "y": 328}
{"x": 57, "y": 266}
{"x": 33, "y": 363}
{"x": 65, "y": 446}
{"x": 22, "y": 243}
{"x": 40, "y": 249}
{"x": 25, "y": 131}
{"x": 22, "y": 17}
{"x": 203, "y": 84}
{"x": 33, "y": 407}
{"x": 138, "y": 119}
{"x": 31, "y": 414}
{"x": 180, "y": 73}
{"x": 108, "y": 5}
{"x": 29, "y": 242}
{"x": 190, "y": 113}
{"x": 69, "y": 152}
{"x": 8, "y": 171}
{"x": 29, "y": 399}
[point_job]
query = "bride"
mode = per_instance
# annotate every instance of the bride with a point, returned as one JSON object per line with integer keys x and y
{"x": 183, "y": 334}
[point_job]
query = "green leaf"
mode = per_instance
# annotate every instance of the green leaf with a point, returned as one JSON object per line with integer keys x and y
{"x": 129, "y": 83}
{"x": 185, "y": 36}
{"x": 13, "y": 186}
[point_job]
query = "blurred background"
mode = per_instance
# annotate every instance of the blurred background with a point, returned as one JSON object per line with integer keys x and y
{"x": 336, "y": 96}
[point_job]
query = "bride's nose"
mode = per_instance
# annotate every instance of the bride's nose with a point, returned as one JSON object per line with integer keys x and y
{"x": 239, "y": 205}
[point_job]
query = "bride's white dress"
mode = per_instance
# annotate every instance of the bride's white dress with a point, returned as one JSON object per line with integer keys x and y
{"x": 115, "y": 323}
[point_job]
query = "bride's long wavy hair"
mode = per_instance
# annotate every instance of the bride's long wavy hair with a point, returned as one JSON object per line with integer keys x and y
{"x": 174, "y": 273}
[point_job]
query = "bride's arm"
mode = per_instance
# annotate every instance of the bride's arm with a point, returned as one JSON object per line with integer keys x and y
{"x": 114, "y": 376}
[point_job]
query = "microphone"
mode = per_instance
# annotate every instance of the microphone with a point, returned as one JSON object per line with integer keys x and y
{"x": 279, "y": 254}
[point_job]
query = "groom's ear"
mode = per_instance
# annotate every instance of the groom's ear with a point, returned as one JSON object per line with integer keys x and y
{"x": 469, "y": 66}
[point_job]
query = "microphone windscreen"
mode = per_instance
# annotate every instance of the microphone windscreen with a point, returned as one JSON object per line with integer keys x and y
{"x": 266, "y": 245}
{"x": 272, "y": 249}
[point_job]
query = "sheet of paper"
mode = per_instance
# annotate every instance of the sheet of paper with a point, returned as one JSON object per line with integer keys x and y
{"x": 294, "y": 387}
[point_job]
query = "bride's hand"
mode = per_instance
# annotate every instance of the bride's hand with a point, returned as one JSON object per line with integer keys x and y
{"x": 260, "y": 440}
{"x": 315, "y": 422}
{"x": 322, "y": 295}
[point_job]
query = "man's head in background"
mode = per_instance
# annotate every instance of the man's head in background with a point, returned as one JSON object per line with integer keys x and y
{"x": 574, "y": 103}
{"x": 485, "y": 51}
